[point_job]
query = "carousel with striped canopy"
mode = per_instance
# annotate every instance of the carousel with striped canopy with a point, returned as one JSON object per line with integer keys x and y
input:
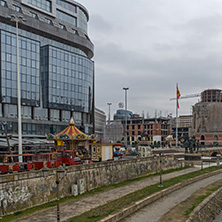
{"x": 70, "y": 137}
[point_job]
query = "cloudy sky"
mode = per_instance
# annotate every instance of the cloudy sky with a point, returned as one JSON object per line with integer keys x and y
{"x": 149, "y": 46}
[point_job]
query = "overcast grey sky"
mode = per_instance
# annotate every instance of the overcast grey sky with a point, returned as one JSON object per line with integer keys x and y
{"x": 149, "y": 46}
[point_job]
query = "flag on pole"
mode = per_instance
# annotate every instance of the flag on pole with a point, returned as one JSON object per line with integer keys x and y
{"x": 178, "y": 96}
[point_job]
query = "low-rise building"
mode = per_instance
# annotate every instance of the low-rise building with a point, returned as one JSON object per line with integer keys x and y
{"x": 100, "y": 123}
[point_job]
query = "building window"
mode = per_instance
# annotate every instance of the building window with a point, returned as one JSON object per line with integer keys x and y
{"x": 49, "y": 21}
{"x": 83, "y": 20}
{"x": 66, "y": 18}
{"x": 74, "y": 31}
{"x": 16, "y": 8}
{"x": 2, "y": 3}
{"x": 66, "y": 5}
{"x": 61, "y": 26}
{"x": 43, "y": 4}
{"x": 29, "y": 61}
{"x": 33, "y": 15}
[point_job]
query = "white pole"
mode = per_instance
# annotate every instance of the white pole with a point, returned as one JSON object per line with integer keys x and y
{"x": 19, "y": 97}
{"x": 109, "y": 104}
{"x": 125, "y": 115}
{"x": 176, "y": 117}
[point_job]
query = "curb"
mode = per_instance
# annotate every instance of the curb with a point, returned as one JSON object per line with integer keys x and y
{"x": 140, "y": 204}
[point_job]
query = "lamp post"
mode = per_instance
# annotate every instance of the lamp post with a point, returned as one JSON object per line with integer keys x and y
{"x": 60, "y": 174}
{"x": 126, "y": 88}
{"x": 109, "y": 104}
{"x": 161, "y": 182}
{"x": 202, "y": 161}
{"x": 18, "y": 19}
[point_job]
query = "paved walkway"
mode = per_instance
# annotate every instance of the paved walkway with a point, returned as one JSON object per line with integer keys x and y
{"x": 156, "y": 210}
{"x": 77, "y": 207}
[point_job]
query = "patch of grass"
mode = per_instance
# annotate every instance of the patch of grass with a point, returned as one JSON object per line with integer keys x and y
{"x": 103, "y": 211}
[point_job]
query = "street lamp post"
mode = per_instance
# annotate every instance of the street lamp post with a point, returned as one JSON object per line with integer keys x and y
{"x": 60, "y": 174}
{"x": 161, "y": 182}
{"x": 18, "y": 19}
{"x": 202, "y": 161}
{"x": 126, "y": 88}
{"x": 109, "y": 104}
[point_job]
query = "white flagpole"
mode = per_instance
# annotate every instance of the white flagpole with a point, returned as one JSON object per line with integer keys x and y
{"x": 176, "y": 117}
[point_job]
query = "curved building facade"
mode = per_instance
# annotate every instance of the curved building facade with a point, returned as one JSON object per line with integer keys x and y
{"x": 207, "y": 117}
{"x": 56, "y": 67}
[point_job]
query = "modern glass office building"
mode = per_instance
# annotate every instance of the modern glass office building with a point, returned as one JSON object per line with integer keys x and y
{"x": 56, "y": 67}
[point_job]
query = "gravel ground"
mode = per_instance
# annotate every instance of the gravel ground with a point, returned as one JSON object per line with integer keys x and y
{"x": 153, "y": 212}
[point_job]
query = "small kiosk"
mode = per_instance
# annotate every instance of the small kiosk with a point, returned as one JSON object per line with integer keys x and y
{"x": 102, "y": 152}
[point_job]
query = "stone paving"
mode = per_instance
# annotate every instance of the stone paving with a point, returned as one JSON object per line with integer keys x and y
{"x": 77, "y": 207}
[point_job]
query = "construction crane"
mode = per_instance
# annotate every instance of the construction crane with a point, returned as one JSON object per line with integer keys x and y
{"x": 188, "y": 96}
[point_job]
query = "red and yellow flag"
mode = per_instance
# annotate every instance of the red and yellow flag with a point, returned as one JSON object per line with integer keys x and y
{"x": 178, "y": 96}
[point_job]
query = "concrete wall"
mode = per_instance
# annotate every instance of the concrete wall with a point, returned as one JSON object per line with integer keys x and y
{"x": 23, "y": 190}
{"x": 207, "y": 210}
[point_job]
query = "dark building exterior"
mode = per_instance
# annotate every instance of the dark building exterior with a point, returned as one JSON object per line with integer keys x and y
{"x": 56, "y": 67}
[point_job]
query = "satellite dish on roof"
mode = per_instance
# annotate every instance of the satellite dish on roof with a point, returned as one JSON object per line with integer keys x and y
{"x": 121, "y": 105}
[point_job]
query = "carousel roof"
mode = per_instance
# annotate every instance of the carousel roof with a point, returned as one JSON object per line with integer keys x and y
{"x": 71, "y": 133}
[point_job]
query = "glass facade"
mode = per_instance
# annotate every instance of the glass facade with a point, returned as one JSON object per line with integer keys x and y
{"x": 82, "y": 20}
{"x": 33, "y": 15}
{"x": 42, "y": 4}
{"x": 66, "y": 18}
{"x": 16, "y": 8}
{"x": 49, "y": 21}
{"x": 2, "y": 3}
{"x": 69, "y": 79}
{"x": 66, "y": 5}
{"x": 56, "y": 75}
{"x": 29, "y": 69}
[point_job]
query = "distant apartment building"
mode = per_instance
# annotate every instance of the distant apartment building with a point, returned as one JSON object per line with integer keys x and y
{"x": 152, "y": 130}
{"x": 184, "y": 124}
{"x": 207, "y": 117}
{"x": 122, "y": 114}
{"x": 56, "y": 67}
{"x": 100, "y": 124}
{"x": 114, "y": 132}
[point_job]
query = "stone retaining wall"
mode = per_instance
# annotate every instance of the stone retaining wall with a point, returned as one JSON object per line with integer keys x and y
{"x": 208, "y": 208}
{"x": 23, "y": 190}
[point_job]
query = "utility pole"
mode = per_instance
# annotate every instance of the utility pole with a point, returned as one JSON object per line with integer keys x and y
{"x": 126, "y": 88}
{"x": 17, "y": 20}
